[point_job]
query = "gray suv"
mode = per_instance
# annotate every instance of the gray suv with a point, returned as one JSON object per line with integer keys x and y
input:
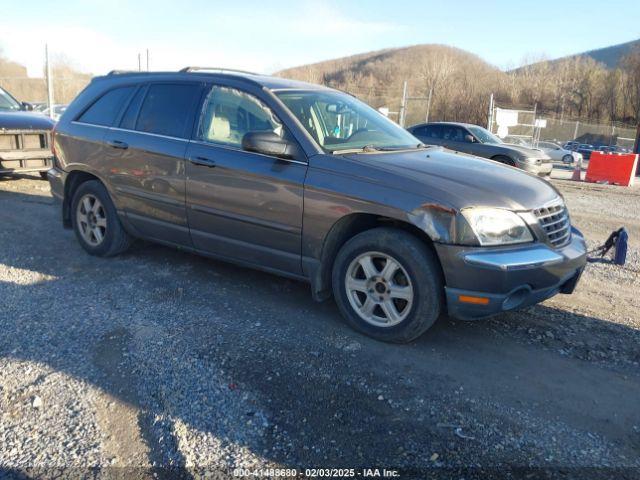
{"x": 308, "y": 182}
{"x": 475, "y": 140}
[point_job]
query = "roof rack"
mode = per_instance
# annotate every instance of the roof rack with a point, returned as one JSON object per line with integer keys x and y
{"x": 215, "y": 69}
{"x": 122, "y": 72}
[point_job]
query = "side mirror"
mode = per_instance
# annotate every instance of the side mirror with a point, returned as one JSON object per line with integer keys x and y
{"x": 469, "y": 138}
{"x": 27, "y": 106}
{"x": 268, "y": 143}
{"x": 336, "y": 108}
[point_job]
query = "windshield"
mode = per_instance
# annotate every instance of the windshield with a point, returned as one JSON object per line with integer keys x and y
{"x": 7, "y": 102}
{"x": 484, "y": 135}
{"x": 339, "y": 122}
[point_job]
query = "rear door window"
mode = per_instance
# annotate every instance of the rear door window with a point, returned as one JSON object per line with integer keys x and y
{"x": 453, "y": 133}
{"x": 168, "y": 109}
{"x": 105, "y": 110}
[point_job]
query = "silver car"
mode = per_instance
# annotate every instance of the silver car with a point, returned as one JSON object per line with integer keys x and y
{"x": 560, "y": 154}
{"x": 473, "y": 139}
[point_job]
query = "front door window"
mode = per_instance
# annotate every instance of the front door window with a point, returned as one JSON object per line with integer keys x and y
{"x": 228, "y": 114}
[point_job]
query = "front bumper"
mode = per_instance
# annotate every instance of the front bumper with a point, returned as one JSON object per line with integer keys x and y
{"x": 25, "y": 161}
{"x": 507, "y": 278}
{"x": 539, "y": 169}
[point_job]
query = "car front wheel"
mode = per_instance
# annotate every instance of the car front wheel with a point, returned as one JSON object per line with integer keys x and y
{"x": 504, "y": 159}
{"x": 388, "y": 285}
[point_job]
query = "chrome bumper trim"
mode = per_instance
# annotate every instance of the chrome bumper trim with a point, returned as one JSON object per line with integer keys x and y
{"x": 522, "y": 259}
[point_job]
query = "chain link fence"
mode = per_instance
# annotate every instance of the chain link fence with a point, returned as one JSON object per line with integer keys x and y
{"x": 585, "y": 132}
{"x": 529, "y": 126}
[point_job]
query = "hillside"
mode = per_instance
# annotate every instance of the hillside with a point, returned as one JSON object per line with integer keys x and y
{"x": 579, "y": 87}
{"x": 67, "y": 82}
{"x": 456, "y": 77}
{"x": 609, "y": 56}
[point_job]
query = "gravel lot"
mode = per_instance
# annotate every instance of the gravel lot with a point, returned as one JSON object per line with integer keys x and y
{"x": 159, "y": 359}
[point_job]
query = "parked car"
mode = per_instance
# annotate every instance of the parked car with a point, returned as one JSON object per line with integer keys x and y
{"x": 559, "y": 154}
{"x": 519, "y": 141}
{"x": 25, "y": 138}
{"x": 475, "y": 140}
{"x": 309, "y": 182}
{"x": 39, "y": 106}
{"x": 585, "y": 150}
{"x": 619, "y": 149}
{"x": 613, "y": 149}
{"x": 571, "y": 145}
{"x": 58, "y": 110}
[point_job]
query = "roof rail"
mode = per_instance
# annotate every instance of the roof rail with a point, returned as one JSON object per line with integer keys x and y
{"x": 120, "y": 72}
{"x": 215, "y": 69}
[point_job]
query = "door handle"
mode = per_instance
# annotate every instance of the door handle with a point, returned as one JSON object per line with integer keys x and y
{"x": 203, "y": 161}
{"x": 118, "y": 144}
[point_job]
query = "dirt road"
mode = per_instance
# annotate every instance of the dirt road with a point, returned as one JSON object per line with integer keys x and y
{"x": 159, "y": 358}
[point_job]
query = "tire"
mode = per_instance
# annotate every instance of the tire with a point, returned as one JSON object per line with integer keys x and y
{"x": 114, "y": 239}
{"x": 418, "y": 269}
{"x": 568, "y": 159}
{"x": 43, "y": 176}
{"x": 504, "y": 159}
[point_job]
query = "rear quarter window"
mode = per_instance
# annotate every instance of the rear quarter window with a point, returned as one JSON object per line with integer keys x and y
{"x": 105, "y": 110}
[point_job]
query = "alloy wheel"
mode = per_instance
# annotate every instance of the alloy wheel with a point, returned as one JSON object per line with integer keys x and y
{"x": 379, "y": 289}
{"x": 92, "y": 220}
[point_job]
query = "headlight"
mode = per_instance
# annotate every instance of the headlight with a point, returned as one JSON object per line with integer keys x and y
{"x": 532, "y": 160}
{"x": 494, "y": 226}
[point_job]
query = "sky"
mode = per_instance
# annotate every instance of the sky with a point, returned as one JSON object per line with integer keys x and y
{"x": 265, "y": 36}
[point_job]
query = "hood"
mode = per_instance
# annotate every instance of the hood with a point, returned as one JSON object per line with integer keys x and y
{"x": 524, "y": 152}
{"x": 457, "y": 180}
{"x": 25, "y": 121}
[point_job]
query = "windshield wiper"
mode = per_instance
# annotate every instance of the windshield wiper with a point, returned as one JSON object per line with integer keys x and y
{"x": 374, "y": 148}
{"x": 365, "y": 149}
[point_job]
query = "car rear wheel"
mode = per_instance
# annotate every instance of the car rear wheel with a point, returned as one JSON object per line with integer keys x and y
{"x": 96, "y": 223}
{"x": 388, "y": 285}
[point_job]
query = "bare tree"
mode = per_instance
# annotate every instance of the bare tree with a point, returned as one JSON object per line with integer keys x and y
{"x": 631, "y": 68}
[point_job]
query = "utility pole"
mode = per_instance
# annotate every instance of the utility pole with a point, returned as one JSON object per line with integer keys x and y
{"x": 613, "y": 133}
{"x": 147, "y": 59}
{"x": 426, "y": 119}
{"x": 575, "y": 133}
{"x": 535, "y": 115}
{"x": 403, "y": 104}
{"x": 139, "y": 63}
{"x": 490, "y": 116}
{"x": 49, "y": 80}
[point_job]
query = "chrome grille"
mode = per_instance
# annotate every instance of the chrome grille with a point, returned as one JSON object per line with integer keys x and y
{"x": 555, "y": 223}
{"x": 8, "y": 142}
{"x": 31, "y": 140}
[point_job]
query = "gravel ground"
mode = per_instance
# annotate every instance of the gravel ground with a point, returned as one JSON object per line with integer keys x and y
{"x": 159, "y": 363}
